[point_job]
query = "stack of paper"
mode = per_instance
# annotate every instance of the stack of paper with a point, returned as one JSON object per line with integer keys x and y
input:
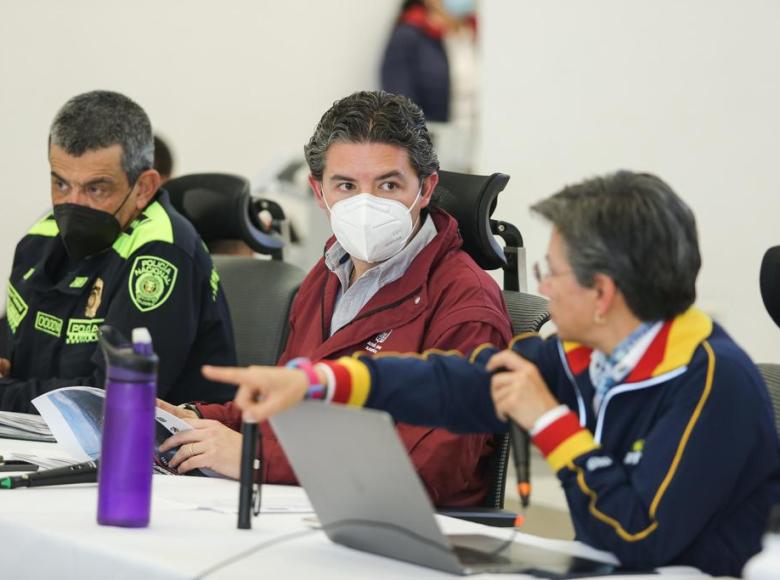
{"x": 24, "y": 426}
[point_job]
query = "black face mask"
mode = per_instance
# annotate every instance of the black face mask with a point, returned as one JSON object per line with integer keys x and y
{"x": 86, "y": 231}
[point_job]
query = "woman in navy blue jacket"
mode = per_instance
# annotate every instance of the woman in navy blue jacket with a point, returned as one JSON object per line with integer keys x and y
{"x": 415, "y": 63}
{"x": 657, "y": 424}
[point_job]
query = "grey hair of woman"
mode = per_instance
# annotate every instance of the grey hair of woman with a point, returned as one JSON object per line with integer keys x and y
{"x": 99, "y": 119}
{"x": 636, "y": 230}
{"x": 373, "y": 117}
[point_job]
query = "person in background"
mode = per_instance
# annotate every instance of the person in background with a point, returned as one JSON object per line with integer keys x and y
{"x": 394, "y": 278}
{"x": 112, "y": 251}
{"x": 163, "y": 159}
{"x": 656, "y": 422}
{"x": 431, "y": 58}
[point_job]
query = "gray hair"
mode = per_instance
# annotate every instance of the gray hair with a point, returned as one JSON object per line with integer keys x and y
{"x": 100, "y": 119}
{"x": 636, "y": 230}
{"x": 373, "y": 117}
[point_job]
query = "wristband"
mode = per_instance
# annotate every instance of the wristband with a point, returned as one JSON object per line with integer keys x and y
{"x": 315, "y": 390}
{"x": 192, "y": 407}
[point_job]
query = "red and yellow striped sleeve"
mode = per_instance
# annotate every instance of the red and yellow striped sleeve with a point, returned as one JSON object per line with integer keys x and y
{"x": 563, "y": 441}
{"x": 352, "y": 381}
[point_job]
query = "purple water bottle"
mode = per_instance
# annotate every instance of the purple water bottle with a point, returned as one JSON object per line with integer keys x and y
{"x": 127, "y": 452}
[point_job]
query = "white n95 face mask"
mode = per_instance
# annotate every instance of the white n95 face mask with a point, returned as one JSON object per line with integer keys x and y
{"x": 371, "y": 228}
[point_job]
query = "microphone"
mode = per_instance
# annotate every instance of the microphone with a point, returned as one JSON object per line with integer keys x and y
{"x": 521, "y": 455}
{"x": 249, "y": 489}
{"x": 86, "y": 472}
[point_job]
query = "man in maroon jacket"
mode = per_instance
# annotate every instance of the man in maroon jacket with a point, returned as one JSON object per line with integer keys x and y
{"x": 394, "y": 279}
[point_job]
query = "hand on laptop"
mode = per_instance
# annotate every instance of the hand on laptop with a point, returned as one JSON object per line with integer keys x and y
{"x": 262, "y": 391}
{"x": 209, "y": 445}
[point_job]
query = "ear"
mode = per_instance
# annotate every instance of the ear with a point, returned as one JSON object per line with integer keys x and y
{"x": 316, "y": 187}
{"x": 146, "y": 185}
{"x": 429, "y": 185}
{"x": 606, "y": 293}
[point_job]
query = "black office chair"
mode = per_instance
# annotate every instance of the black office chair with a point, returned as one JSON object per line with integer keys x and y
{"x": 770, "y": 292}
{"x": 769, "y": 281}
{"x": 220, "y": 207}
{"x": 472, "y": 199}
{"x": 771, "y": 374}
{"x": 259, "y": 292}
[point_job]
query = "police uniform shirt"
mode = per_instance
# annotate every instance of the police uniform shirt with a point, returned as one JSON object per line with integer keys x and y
{"x": 157, "y": 274}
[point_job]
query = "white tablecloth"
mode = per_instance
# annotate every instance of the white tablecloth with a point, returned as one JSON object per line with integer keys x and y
{"x": 51, "y": 532}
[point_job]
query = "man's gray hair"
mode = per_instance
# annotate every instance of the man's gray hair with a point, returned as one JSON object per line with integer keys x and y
{"x": 636, "y": 230}
{"x": 373, "y": 117}
{"x": 100, "y": 119}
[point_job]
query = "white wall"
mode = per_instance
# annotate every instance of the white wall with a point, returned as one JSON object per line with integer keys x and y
{"x": 232, "y": 85}
{"x": 687, "y": 89}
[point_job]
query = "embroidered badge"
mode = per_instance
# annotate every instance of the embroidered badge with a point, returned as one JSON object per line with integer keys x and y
{"x": 15, "y": 308}
{"x": 48, "y": 324}
{"x": 82, "y": 330}
{"x": 375, "y": 344}
{"x": 151, "y": 282}
{"x": 95, "y": 296}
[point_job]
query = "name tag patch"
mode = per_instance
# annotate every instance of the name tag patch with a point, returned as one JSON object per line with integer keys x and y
{"x": 48, "y": 324}
{"x": 82, "y": 330}
{"x": 15, "y": 308}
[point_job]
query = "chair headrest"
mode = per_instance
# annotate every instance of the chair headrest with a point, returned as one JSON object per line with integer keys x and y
{"x": 471, "y": 200}
{"x": 770, "y": 282}
{"x": 220, "y": 208}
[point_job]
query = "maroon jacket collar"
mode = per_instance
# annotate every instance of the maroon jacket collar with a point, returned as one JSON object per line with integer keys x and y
{"x": 400, "y": 300}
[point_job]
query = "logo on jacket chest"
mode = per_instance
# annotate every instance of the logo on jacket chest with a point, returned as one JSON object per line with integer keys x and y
{"x": 375, "y": 344}
{"x": 151, "y": 282}
{"x": 633, "y": 456}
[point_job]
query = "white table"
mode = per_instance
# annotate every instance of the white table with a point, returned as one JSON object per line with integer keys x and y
{"x": 51, "y": 532}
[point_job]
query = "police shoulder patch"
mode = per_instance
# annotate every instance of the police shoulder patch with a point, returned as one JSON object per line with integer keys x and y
{"x": 151, "y": 282}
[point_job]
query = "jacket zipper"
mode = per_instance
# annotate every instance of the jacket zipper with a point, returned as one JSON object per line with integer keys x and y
{"x": 325, "y": 335}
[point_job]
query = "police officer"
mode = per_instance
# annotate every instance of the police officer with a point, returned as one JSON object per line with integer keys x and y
{"x": 112, "y": 251}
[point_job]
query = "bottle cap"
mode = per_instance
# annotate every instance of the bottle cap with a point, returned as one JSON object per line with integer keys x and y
{"x": 141, "y": 336}
{"x": 124, "y": 356}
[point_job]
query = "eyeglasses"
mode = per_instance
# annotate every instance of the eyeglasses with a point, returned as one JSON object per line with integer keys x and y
{"x": 542, "y": 271}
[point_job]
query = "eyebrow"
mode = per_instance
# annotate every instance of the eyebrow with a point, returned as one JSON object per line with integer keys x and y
{"x": 55, "y": 176}
{"x": 387, "y": 175}
{"x": 341, "y": 178}
{"x": 97, "y": 181}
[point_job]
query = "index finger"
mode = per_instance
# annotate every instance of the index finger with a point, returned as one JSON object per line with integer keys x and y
{"x": 229, "y": 375}
{"x": 178, "y": 439}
